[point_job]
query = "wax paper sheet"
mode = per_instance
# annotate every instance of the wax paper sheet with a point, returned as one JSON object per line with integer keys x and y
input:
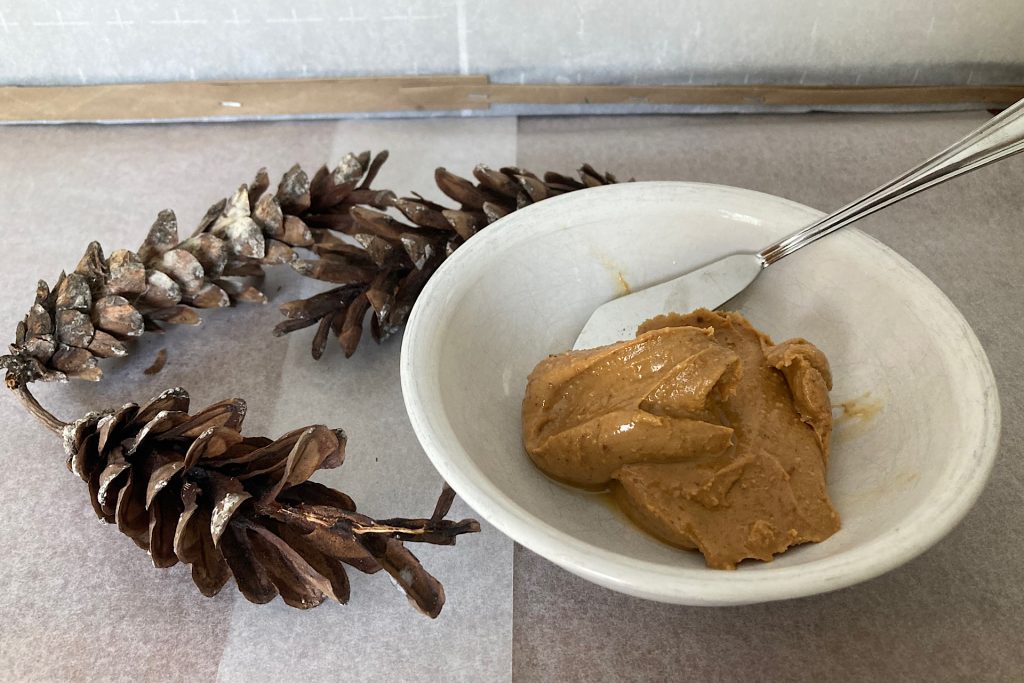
{"x": 955, "y": 613}
{"x": 79, "y": 600}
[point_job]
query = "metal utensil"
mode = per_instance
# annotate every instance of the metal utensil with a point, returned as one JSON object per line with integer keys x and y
{"x": 716, "y": 283}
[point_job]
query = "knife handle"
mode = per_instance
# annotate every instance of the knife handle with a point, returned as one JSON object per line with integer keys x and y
{"x": 998, "y": 138}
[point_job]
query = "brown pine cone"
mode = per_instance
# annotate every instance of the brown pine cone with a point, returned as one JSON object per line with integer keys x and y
{"x": 91, "y": 312}
{"x": 191, "y": 488}
{"x": 375, "y": 262}
{"x": 385, "y": 263}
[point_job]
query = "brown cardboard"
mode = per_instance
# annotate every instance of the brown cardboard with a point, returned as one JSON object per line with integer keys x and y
{"x": 338, "y": 96}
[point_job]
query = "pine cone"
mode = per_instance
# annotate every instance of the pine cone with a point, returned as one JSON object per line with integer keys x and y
{"x": 193, "y": 489}
{"x": 374, "y": 260}
{"x": 91, "y": 312}
{"x": 391, "y": 261}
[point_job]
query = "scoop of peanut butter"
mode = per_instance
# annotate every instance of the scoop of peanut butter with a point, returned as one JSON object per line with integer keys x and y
{"x": 711, "y": 436}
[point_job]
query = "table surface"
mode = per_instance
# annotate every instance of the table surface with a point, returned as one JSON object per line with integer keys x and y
{"x": 79, "y": 602}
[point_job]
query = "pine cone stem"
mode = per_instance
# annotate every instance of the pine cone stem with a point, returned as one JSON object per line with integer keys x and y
{"x": 39, "y": 412}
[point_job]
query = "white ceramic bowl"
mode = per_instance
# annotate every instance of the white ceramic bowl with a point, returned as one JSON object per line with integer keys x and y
{"x": 523, "y": 288}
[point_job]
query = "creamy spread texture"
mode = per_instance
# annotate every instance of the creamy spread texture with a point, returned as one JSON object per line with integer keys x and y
{"x": 711, "y": 436}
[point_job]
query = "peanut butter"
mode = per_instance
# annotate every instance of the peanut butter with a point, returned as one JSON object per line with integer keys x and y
{"x": 711, "y": 436}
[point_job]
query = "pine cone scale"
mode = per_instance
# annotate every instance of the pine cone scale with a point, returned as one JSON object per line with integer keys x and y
{"x": 73, "y": 293}
{"x": 297, "y": 582}
{"x": 337, "y": 540}
{"x": 164, "y": 511}
{"x": 251, "y": 577}
{"x": 38, "y": 321}
{"x": 187, "y": 531}
{"x": 160, "y": 423}
{"x": 126, "y": 274}
{"x": 83, "y": 461}
{"x": 111, "y": 426}
{"x": 272, "y": 457}
{"x": 315, "y": 493}
{"x": 163, "y": 235}
{"x": 171, "y": 400}
{"x": 161, "y": 478}
{"x": 424, "y": 591}
{"x": 111, "y": 480}
{"x": 227, "y": 496}
{"x": 94, "y": 497}
{"x": 317, "y": 447}
{"x": 228, "y": 414}
{"x": 327, "y": 566}
{"x": 193, "y": 544}
{"x": 130, "y": 512}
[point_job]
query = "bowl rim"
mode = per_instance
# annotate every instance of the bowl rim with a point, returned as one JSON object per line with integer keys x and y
{"x": 651, "y": 580}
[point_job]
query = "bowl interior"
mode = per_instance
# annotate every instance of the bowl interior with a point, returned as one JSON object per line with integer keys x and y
{"x": 906, "y": 463}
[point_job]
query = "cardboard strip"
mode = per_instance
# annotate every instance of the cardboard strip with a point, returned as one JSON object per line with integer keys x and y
{"x": 338, "y": 96}
{"x": 229, "y": 99}
{"x": 765, "y": 95}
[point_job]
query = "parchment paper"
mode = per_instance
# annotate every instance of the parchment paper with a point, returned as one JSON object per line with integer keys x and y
{"x": 78, "y": 600}
{"x": 955, "y": 613}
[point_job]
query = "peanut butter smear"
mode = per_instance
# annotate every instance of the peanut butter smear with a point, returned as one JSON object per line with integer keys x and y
{"x": 711, "y": 436}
